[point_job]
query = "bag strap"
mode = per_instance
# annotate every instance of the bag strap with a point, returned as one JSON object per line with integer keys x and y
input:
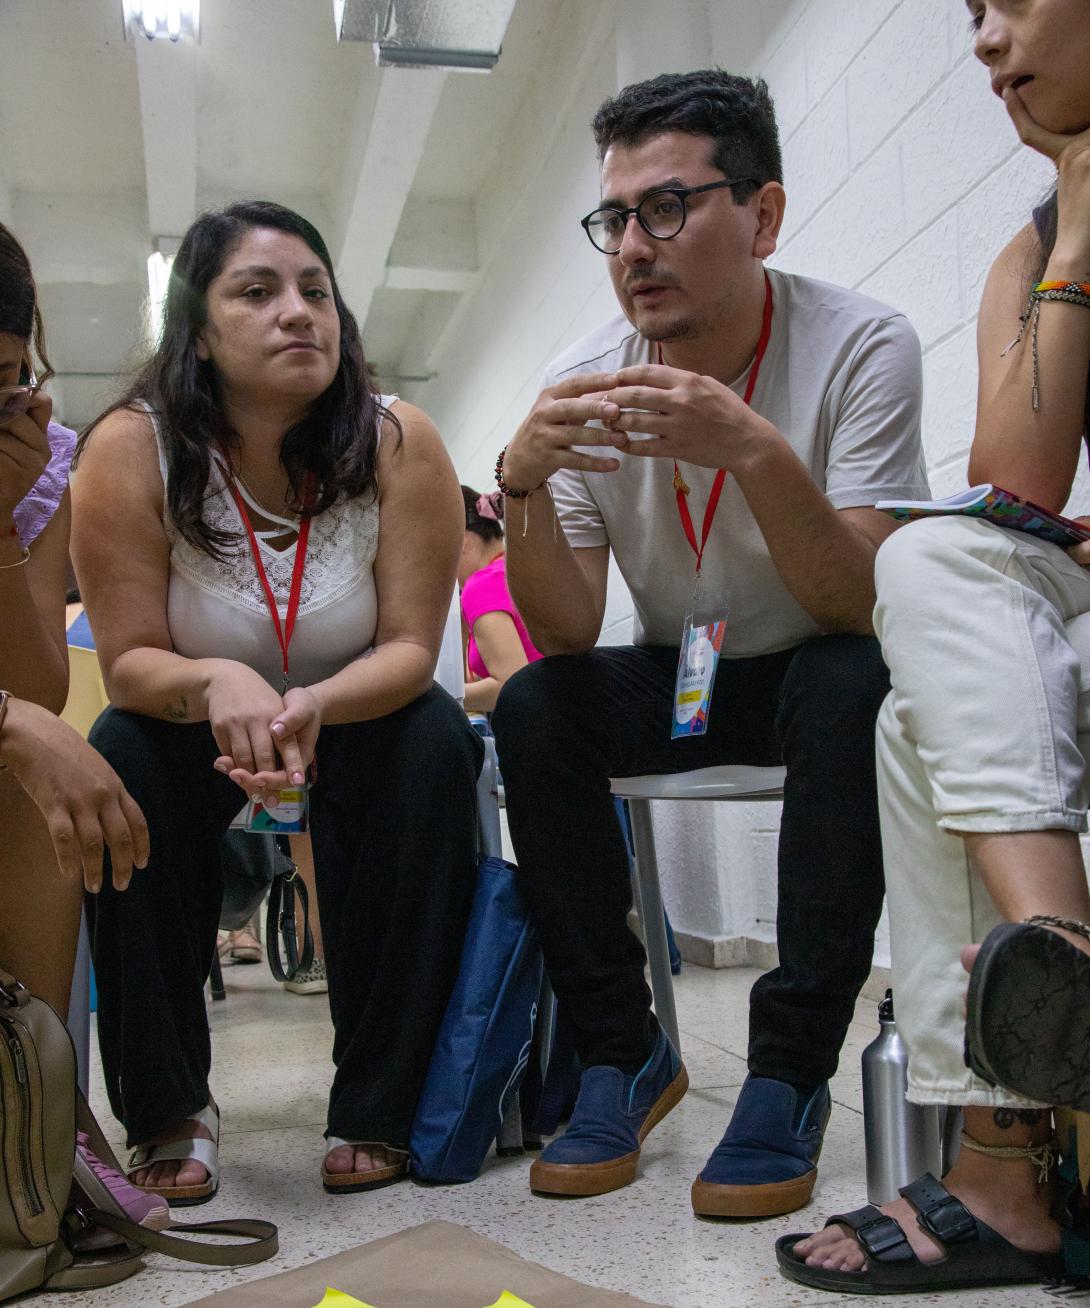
{"x": 87, "y": 1122}
{"x": 262, "y": 1239}
{"x": 280, "y": 924}
{"x": 118, "y": 1266}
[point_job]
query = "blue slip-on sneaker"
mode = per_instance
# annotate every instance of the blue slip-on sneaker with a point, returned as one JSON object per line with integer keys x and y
{"x": 611, "y": 1119}
{"x": 766, "y": 1163}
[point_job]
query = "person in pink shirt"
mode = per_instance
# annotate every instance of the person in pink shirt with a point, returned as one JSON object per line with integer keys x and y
{"x": 498, "y": 643}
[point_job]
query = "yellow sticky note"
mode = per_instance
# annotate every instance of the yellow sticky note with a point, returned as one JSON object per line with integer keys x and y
{"x": 338, "y": 1299}
{"x": 509, "y": 1300}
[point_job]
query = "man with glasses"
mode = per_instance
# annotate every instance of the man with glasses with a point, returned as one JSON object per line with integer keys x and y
{"x": 725, "y": 437}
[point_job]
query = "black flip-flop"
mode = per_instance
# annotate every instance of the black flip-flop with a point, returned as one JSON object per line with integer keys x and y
{"x": 976, "y": 1255}
{"x": 1028, "y": 1015}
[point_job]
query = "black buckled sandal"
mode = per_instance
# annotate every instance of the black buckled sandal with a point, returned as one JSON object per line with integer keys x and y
{"x": 975, "y": 1254}
{"x": 1028, "y": 1023}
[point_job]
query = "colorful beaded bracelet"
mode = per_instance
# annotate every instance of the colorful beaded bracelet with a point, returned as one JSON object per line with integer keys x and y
{"x": 1074, "y": 288}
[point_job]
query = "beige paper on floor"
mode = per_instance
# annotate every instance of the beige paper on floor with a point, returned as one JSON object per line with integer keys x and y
{"x": 437, "y": 1263}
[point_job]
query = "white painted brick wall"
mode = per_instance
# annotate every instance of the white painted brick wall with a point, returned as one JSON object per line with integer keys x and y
{"x": 904, "y": 180}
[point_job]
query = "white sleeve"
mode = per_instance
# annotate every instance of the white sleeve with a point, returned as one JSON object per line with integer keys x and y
{"x": 875, "y": 452}
{"x": 577, "y": 509}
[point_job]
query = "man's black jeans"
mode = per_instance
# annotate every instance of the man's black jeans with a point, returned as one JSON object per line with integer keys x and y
{"x": 566, "y": 724}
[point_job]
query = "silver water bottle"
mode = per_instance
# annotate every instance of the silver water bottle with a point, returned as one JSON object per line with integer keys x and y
{"x": 903, "y": 1140}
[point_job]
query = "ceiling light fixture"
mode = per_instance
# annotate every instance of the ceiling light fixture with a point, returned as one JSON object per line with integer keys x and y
{"x": 169, "y": 19}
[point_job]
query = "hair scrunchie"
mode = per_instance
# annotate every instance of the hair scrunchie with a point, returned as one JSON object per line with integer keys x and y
{"x": 490, "y": 507}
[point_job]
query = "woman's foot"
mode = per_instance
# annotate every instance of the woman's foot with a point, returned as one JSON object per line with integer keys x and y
{"x": 238, "y": 947}
{"x": 185, "y": 1174}
{"x": 348, "y": 1158}
{"x": 353, "y": 1165}
{"x": 1005, "y": 1193}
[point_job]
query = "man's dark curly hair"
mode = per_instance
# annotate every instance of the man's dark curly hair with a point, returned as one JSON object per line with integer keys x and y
{"x": 736, "y": 112}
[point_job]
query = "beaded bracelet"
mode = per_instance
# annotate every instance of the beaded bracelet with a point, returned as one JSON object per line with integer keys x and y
{"x": 1075, "y": 288}
{"x": 1063, "y": 292}
{"x": 507, "y": 491}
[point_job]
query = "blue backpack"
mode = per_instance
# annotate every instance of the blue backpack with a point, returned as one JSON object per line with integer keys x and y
{"x": 485, "y": 1040}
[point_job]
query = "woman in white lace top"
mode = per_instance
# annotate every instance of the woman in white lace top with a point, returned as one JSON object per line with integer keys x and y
{"x": 267, "y": 549}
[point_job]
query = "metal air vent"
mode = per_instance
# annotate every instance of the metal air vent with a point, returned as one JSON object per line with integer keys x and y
{"x": 463, "y": 34}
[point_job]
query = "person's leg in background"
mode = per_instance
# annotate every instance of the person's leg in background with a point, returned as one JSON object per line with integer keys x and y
{"x": 152, "y": 945}
{"x": 394, "y": 826}
{"x": 829, "y": 901}
{"x": 313, "y": 981}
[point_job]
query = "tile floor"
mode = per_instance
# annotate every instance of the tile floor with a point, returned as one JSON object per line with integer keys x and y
{"x": 270, "y": 1078}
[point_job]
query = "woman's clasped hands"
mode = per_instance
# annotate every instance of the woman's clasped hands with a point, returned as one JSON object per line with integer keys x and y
{"x": 266, "y": 741}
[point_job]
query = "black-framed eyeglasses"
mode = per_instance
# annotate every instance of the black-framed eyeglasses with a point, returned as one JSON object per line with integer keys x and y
{"x": 660, "y": 213}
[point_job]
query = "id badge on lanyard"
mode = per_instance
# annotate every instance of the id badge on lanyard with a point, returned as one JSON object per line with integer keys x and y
{"x": 286, "y": 811}
{"x": 704, "y": 630}
{"x": 701, "y": 644}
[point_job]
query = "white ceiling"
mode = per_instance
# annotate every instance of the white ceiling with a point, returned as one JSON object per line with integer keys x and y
{"x": 107, "y": 144}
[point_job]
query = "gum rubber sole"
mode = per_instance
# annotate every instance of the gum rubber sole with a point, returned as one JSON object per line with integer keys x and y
{"x": 582, "y": 1180}
{"x": 772, "y": 1199}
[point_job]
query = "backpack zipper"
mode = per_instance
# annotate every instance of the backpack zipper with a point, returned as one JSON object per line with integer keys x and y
{"x": 32, "y": 1198}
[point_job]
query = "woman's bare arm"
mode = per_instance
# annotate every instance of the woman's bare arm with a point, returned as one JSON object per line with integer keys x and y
{"x": 1035, "y": 452}
{"x": 421, "y": 525}
{"x": 502, "y": 654}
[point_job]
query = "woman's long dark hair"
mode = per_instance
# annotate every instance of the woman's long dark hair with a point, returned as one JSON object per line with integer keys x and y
{"x": 1046, "y": 219}
{"x": 337, "y": 441}
{"x": 19, "y": 313}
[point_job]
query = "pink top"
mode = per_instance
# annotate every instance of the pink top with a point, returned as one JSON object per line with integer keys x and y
{"x": 486, "y": 592}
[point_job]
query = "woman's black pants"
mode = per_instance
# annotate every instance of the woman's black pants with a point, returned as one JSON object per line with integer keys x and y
{"x": 393, "y": 826}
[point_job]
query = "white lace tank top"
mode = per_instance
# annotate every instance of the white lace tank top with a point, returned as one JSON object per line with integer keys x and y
{"x": 217, "y": 608}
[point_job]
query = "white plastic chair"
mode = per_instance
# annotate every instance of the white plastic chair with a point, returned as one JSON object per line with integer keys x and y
{"x": 731, "y": 782}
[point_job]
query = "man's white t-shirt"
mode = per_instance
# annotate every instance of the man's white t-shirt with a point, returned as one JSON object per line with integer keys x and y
{"x": 841, "y": 380}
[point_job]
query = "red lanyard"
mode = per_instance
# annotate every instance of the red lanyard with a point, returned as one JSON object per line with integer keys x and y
{"x": 721, "y": 476}
{"x": 283, "y": 631}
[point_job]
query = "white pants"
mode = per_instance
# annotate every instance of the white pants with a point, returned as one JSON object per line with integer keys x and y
{"x": 986, "y": 729}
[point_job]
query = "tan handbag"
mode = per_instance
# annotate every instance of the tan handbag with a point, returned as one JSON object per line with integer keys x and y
{"x": 40, "y": 1106}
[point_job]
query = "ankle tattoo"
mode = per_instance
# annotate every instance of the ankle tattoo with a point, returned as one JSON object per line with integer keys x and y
{"x": 1005, "y": 1118}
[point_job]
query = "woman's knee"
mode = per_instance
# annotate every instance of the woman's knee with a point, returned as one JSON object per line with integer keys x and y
{"x": 916, "y": 558}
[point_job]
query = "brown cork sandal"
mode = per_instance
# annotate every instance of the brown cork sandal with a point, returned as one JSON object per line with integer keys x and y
{"x": 205, "y": 1152}
{"x": 373, "y": 1179}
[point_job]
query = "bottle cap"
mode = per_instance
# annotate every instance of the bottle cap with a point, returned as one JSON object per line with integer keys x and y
{"x": 885, "y": 1008}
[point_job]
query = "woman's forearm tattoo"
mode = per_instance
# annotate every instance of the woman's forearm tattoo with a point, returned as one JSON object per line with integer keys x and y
{"x": 176, "y": 712}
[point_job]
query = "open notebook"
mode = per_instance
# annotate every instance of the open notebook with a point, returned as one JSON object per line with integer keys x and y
{"x": 993, "y": 504}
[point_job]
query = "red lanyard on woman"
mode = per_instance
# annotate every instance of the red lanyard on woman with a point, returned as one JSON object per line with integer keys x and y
{"x": 283, "y": 630}
{"x": 680, "y": 488}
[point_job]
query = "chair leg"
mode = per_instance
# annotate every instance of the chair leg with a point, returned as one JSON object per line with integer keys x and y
{"x": 215, "y": 979}
{"x": 652, "y": 919}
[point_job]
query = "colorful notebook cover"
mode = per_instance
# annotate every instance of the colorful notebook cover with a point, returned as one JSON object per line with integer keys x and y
{"x": 993, "y": 504}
